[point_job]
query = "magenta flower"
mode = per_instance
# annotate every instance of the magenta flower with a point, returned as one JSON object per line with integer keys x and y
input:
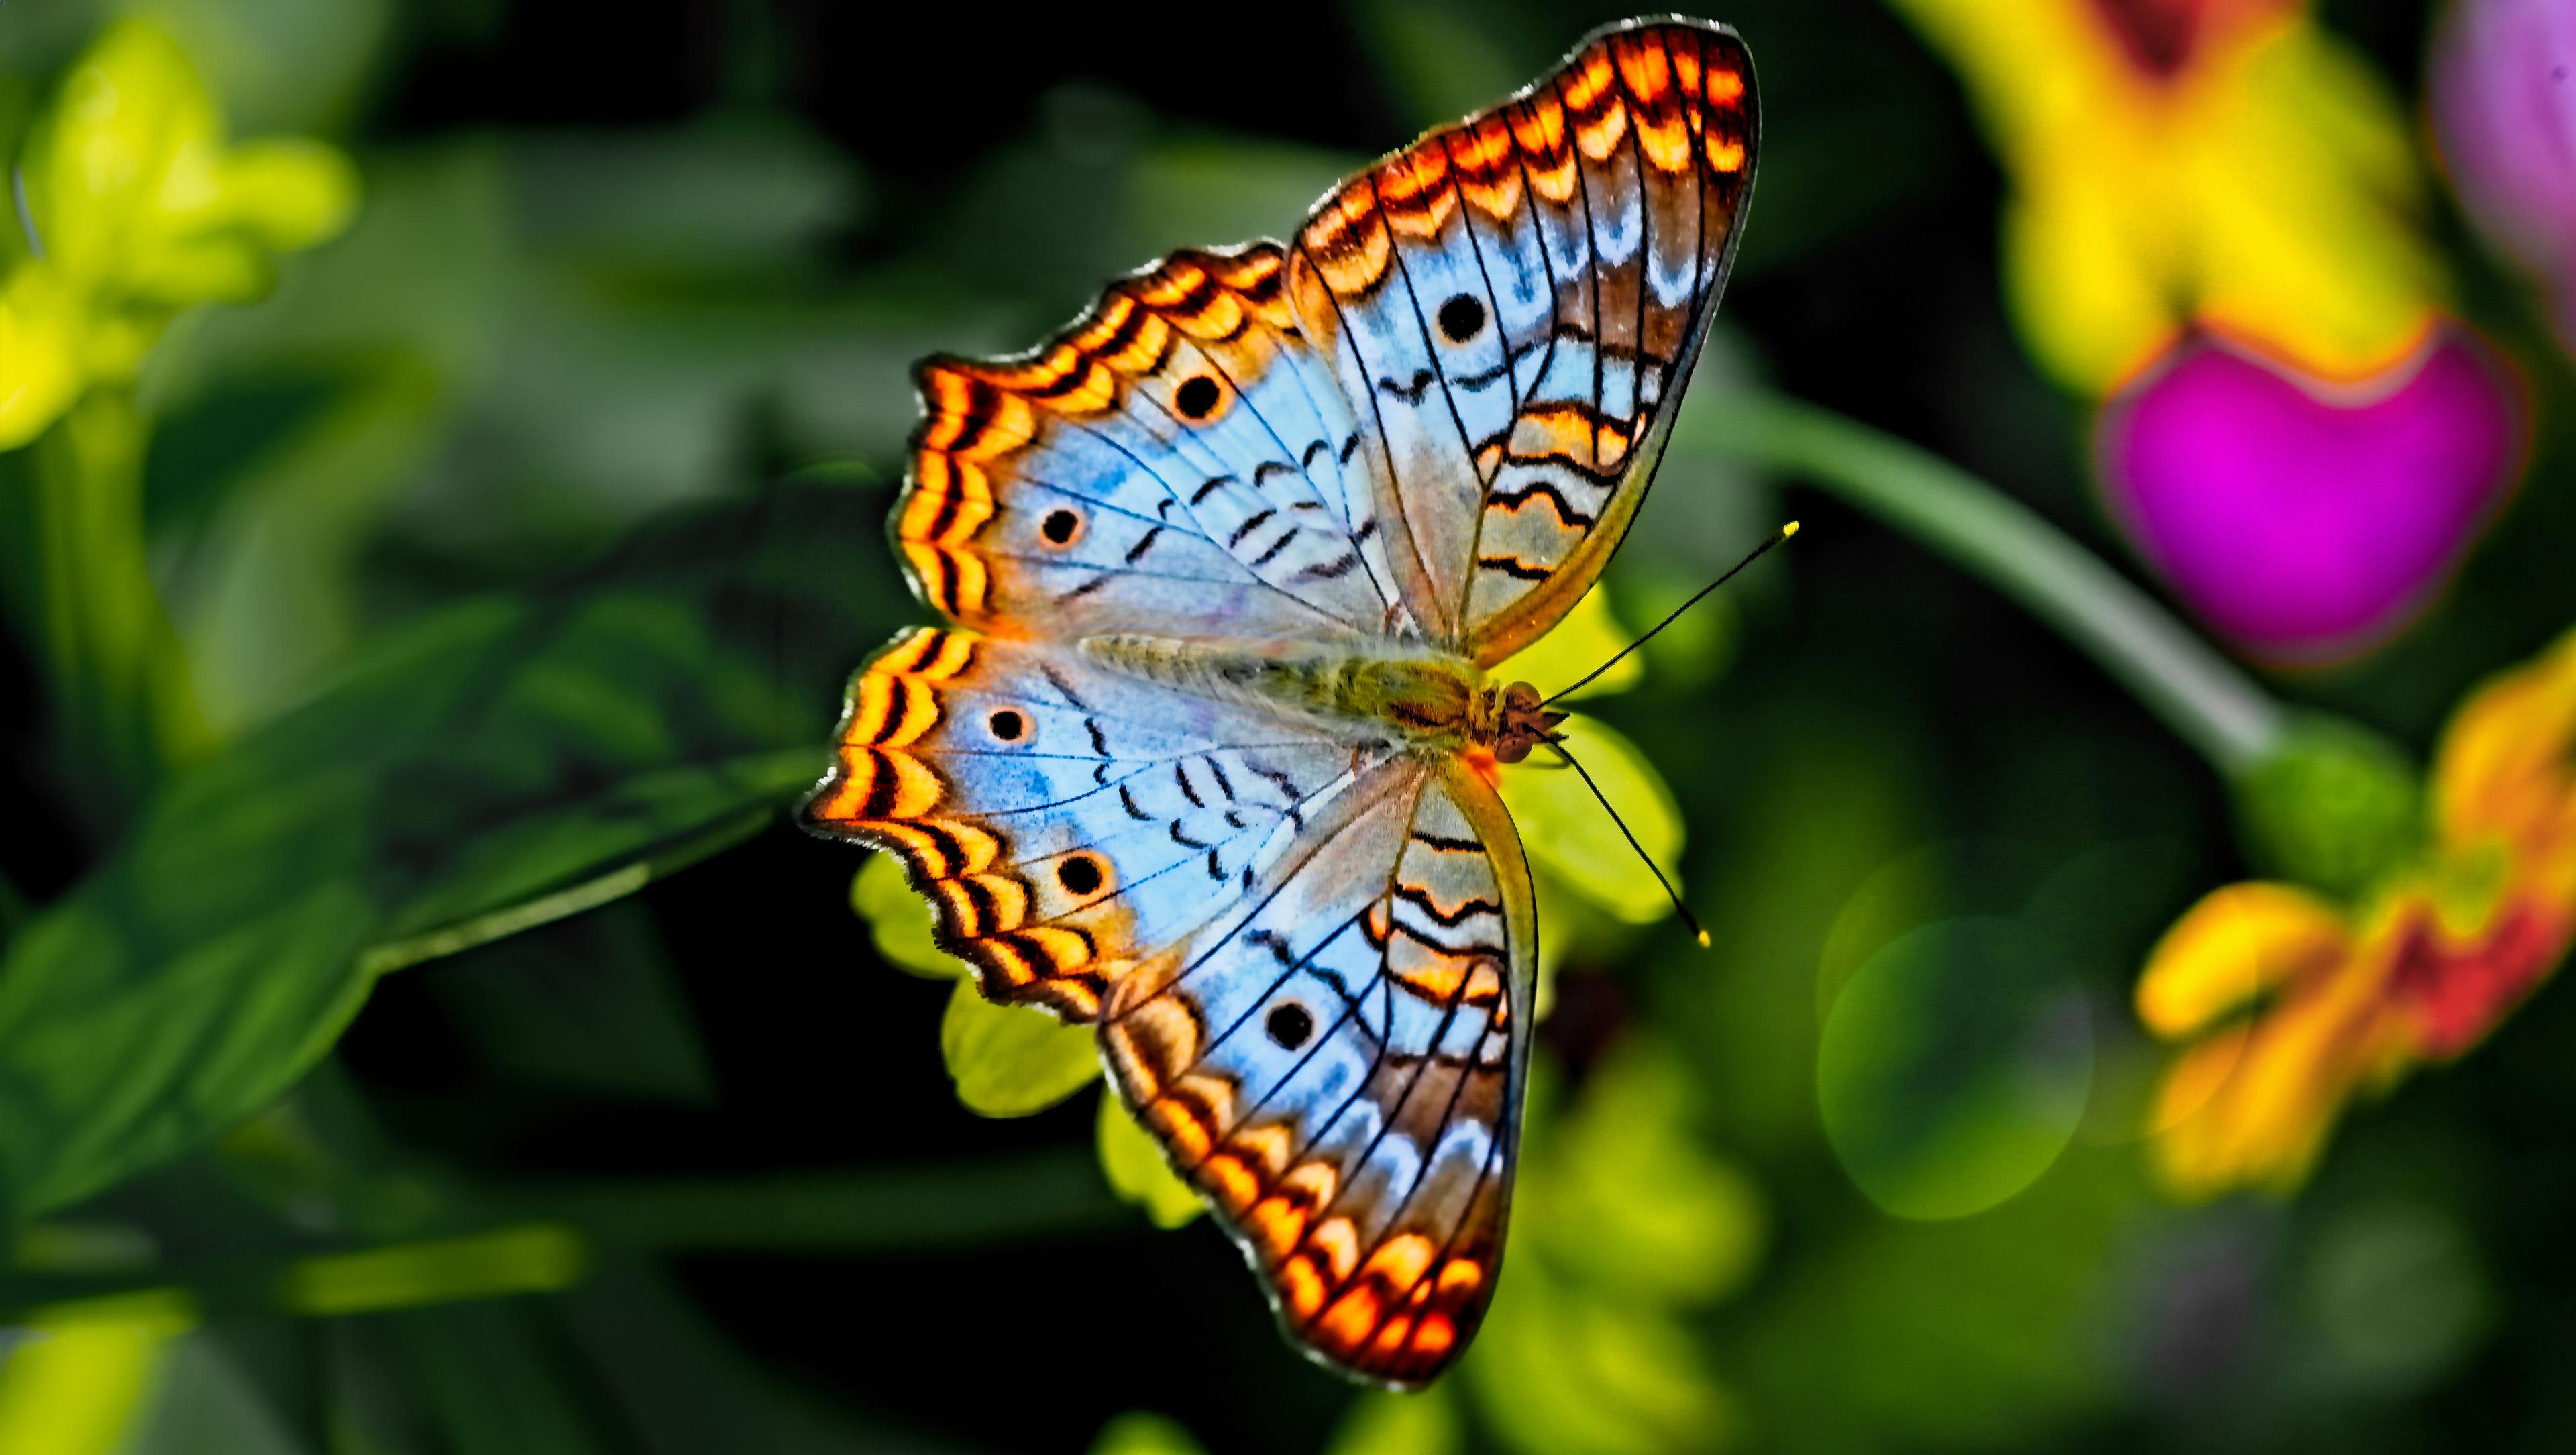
{"x": 2503, "y": 89}
{"x": 2308, "y": 519}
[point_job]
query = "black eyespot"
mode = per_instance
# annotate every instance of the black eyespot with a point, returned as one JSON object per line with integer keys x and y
{"x": 1460, "y": 317}
{"x": 1289, "y": 1025}
{"x": 1059, "y": 526}
{"x": 1007, "y": 725}
{"x": 1079, "y": 874}
{"x": 1197, "y": 398}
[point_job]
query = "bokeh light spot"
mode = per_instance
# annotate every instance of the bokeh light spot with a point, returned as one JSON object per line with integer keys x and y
{"x": 1955, "y": 1067}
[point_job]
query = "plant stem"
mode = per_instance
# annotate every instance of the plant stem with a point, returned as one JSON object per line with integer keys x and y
{"x": 2201, "y": 695}
{"x": 124, "y": 702}
{"x": 544, "y": 1239}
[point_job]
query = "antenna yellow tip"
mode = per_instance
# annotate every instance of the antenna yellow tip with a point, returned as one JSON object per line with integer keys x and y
{"x": 1788, "y": 530}
{"x": 1703, "y": 939}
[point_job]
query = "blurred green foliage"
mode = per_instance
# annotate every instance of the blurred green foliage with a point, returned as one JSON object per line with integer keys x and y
{"x": 372, "y": 1079}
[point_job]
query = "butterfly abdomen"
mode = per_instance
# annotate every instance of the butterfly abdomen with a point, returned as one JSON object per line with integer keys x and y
{"x": 1424, "y": 700}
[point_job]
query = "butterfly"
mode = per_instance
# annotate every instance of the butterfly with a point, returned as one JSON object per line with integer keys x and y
{"x": 1206, "y": 752}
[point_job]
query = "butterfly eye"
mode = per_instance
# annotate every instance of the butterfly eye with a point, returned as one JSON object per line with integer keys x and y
{"x": 1007, "y": 725}
{"x": 1060, "y": 527}
{"x": 1289, "y": 1025}
{"x": 1461, "y": 317}
{"x": 1197, "y": 398}
{"x": 1079, "y": 874}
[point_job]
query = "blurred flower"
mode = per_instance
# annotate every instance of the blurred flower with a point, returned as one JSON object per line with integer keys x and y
{"x": 2345, "y": 1001}
{"x": 2176, "y": 161}
{"x": 2503, "y": 83}
{"x": 2301, "y": 517}
{"x": 137, "y": 207}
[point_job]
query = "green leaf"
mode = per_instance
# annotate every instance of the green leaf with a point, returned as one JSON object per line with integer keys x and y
{"x": 1012, "y": 1060}
{"x": 1136, "y": 1170}
{"x": 205, "y": 1403}
{"x": 496, "y": 1383}
{"x": 592, "y": 1004}
{"x": 504, "y": 764}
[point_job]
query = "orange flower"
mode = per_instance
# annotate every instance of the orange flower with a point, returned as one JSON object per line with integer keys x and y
{"x": 2336, "y": 1002}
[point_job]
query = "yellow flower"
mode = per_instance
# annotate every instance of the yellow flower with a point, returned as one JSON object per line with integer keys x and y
{"x": 2219, "y": 162}
{"x": 138, "y": 208}
{"x": 2343, "y": 1002}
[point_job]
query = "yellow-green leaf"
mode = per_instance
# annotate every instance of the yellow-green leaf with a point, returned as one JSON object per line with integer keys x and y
{"x": 78, "y": 1382}
{"x": 1590, "y": 635}
{"x": 1012, "y": 1060}
{"x": 899, "y": 920}
{"x": 40, "y": 353}
{"x": 1571, "y": 839}
{"x": 1139, "y": 1432}
{"x": 1628, "y": 1200}
{"x": 1137, "y": 1172}
{"x": 1381, "y": 1422}
{"x": 1559, "y": 1370}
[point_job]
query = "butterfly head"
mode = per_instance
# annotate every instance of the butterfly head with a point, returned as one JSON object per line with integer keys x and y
{"x": 1521, "y": 721}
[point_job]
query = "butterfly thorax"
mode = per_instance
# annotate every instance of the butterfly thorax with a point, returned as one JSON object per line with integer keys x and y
{"x": 1421, "y": 699}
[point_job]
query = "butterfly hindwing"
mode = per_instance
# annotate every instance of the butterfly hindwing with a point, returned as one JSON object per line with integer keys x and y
{"x": 1513, "y": 305}
{"x": 1180, "y": 453}
{"x": 1063, "y": 820}
{"x": 1336, "y": 1064}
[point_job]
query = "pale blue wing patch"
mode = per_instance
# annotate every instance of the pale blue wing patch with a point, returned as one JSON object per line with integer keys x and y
{"x": 1335, "y": 1062}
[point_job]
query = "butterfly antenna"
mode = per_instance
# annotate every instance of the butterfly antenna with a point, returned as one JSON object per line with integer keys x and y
{"x": 1674, "y": 615}
{"x": 1556, "y": 745}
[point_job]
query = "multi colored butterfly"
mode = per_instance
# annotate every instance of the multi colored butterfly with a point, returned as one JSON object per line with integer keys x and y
{"x": 1207, "y": 756}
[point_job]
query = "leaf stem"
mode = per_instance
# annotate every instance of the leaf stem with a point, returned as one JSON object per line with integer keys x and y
{"x": 2201, "y": 695}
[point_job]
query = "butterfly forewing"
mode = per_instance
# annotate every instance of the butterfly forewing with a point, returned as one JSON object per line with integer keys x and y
{"x": 1179, "y": 454}
{"x": 1335, "y": 1064}
{"x": 1513, "y": 439}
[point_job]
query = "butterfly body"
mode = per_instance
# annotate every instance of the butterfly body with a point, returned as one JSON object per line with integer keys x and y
{"x": 1206, "y": 752}
{"x": 1423, "y": 700}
